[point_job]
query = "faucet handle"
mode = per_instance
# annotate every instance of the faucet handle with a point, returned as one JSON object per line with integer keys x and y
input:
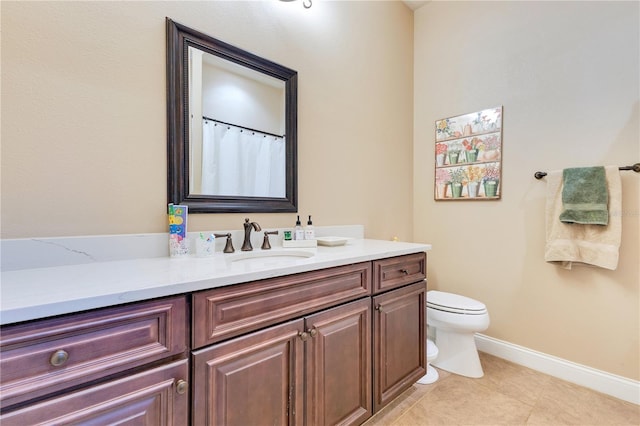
{"x": 228, "y": 247}
{"x": 265, "y": 244}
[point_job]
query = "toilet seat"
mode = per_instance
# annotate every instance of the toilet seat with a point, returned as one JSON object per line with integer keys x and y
{"x": 454, "y": 303}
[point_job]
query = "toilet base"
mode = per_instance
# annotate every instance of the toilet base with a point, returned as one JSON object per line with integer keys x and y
{"x": 431, "y": 376}
{"x": 457, "y": 353}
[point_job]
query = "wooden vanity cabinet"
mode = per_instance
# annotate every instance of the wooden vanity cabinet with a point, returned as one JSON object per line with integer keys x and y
{"x": 313, "y": 370}
{"x": 347, "y": 341}
{"x": 323, "y": 347}
{"x": 399, "y": 338}
{"x": 97, "y": 367}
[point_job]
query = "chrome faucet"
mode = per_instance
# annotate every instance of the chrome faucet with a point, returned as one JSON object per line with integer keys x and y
{"x": 248, "y": 226}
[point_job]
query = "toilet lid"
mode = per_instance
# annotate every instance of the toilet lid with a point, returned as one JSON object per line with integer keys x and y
{"x": 454, "y": 302}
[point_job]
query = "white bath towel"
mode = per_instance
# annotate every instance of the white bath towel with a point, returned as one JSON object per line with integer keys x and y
{"x": 569, "y": 243}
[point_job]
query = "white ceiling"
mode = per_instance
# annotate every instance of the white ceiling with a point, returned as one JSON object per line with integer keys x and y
{"x": 415, "y": 4}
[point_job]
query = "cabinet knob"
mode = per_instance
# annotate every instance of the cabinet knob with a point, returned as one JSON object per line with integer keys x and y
{"x": 59, "y": 358}
{"x": 404, "y": 271}
{"x": 313, "y": 332}
{"x": 182, "y": 386}
{"x": 378, "y": 308}
{"x": 303, "y": 335}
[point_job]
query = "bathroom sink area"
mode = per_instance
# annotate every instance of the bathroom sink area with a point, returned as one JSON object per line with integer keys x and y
{"x": 137, "y": 267}
{"x": 270, "y": 256}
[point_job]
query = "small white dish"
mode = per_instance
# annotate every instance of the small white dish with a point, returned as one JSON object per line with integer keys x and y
{"x": 332, "y": 241}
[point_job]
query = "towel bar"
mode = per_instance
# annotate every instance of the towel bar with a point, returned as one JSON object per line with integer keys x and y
{"x": 635, "y": 168}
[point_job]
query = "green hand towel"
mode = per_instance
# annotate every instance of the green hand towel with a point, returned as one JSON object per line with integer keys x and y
{"x": 585, "y": 196}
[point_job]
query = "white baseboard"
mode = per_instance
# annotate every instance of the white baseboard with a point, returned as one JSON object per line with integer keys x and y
{"x": 607, "y": 383}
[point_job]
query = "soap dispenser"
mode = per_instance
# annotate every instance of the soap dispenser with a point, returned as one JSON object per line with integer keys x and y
{"x": 298, "y": 232}
{"x": 309, "y": 231}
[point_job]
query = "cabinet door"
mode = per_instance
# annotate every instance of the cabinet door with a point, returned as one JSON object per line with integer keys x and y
{"x": 338, "y": 374}
{"x": 398, "y": 341}
{"x": 156, "y": 397}
{"x": 255, "y": 379}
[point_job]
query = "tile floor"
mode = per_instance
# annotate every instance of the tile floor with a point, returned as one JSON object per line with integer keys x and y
{"x": 508, "y": 394}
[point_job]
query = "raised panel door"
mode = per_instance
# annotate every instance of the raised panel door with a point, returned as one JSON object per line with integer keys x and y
{"x": 256, "y": 379}
{"x": 338, "y": 373}
{"x": 398, "y": 341}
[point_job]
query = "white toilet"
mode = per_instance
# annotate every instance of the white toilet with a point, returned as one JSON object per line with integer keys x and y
{"x": 432, "y": 373}
{"x": 456, "y": 319}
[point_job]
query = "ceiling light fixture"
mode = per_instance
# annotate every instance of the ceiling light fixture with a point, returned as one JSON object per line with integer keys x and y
{"x": 306, "y": 3}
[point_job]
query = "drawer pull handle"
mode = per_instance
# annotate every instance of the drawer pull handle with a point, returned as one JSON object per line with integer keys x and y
{"x": 313, "y": 332}
{"x": 303, "y": 335}
{"x": 404, "y": 271}
{"x": 59, "y": 358}
{"x": 181, "y": 386}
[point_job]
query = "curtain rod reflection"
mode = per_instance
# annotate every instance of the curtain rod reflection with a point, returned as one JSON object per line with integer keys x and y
{"x": 242, "y": 127}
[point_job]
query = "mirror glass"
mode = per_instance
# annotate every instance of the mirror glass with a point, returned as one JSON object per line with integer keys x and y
{"x": 227, "y": 156}
{"x": 232, "y": 127}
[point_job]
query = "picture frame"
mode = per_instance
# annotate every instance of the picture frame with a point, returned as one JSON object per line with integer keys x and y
{"x": 468, "y": 156}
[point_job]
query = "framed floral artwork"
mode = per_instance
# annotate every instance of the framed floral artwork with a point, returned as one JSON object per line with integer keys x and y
{"x": 468, "y": 156}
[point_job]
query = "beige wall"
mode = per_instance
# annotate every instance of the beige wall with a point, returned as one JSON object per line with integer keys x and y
{"x": 84, "y": 106}
{"x": 567, "y": 75}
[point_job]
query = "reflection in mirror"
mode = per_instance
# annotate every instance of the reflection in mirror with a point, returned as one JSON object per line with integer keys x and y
{"x": 227, "y": 156}
{"x": 232, "y": 127}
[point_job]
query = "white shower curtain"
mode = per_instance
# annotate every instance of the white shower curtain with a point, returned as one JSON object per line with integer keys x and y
{"x": 241, "y": 162}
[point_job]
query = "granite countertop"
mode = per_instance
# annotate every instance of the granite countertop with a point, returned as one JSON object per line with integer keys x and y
{"x": 35, "y": 293}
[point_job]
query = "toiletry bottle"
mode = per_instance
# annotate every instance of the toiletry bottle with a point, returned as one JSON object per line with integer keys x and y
{"x": 299, "y": 232}
{"x": 309, "y": 231}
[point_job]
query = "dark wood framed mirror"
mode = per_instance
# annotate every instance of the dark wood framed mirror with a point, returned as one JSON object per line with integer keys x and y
{"x": 231, "y": 127}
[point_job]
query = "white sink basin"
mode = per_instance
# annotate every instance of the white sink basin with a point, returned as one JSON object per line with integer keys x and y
{"x": 267, "y": 257}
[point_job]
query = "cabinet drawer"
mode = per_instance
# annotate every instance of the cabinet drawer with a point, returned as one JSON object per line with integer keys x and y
{"x": 398, "y": 271}
{"x": 226, "y": 312}
{"x": 153, "y": 397}
{"x": 49, "y": 355}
